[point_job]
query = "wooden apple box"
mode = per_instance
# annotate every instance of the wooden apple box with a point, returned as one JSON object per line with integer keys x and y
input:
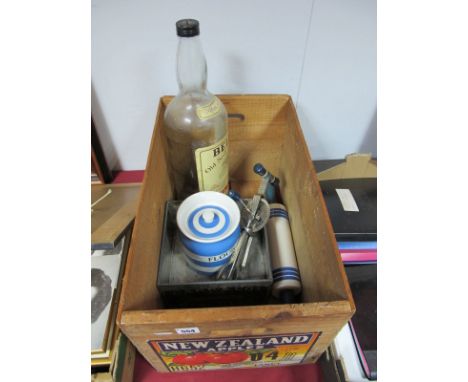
{"x": 262, "y": 128}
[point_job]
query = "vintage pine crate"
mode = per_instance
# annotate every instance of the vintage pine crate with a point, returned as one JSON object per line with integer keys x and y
{"x": 262, "y": 128}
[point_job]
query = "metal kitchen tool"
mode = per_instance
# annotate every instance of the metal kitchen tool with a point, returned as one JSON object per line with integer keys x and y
{"x": 259, "y": 218}
{"x": 262, "y": 216}
{"x": 253, "y": 221}
{"x": 227, "y": 272}
{"x": 235, "y": 196}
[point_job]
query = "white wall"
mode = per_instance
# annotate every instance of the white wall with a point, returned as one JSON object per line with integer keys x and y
{"x": 321, "y": 52}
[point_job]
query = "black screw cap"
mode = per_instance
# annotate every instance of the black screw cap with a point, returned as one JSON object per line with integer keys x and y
{"x": 188, "y": 28}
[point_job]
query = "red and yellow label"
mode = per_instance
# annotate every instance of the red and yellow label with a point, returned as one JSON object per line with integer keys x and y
{"x": 234, "y": 352}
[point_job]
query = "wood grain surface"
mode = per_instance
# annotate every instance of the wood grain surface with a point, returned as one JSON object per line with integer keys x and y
{"x": 114, "y": 214}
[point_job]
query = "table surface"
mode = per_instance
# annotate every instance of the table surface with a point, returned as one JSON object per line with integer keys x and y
{"x": 144, "y": 372}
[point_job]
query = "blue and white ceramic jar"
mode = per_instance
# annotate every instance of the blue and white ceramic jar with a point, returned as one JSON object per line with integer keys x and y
{"x": 208, "y": 225}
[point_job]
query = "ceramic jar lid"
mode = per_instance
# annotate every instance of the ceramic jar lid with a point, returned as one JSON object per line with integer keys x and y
{"x": 208, "y": 217}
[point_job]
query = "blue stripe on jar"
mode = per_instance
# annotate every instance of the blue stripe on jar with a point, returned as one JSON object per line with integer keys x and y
{"x": 296, "y": 277}
{"x": 206, "y": 271}
{"x": 223, "y": 229}
{"x": 279, "y": 216}
{"x": 210, "y": 249}
{"x": 209, "y": 225}
{"x": 207, "y": 259}
{"x": 276, "y": 279}
{"x": 287, "y": 273}
{"x": 279, "y": 212}
{"x": 212, "y": 264}
{"x": 276, "y": 270}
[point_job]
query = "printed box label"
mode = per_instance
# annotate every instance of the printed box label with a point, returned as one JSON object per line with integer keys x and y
{"x": 234, "y": 352}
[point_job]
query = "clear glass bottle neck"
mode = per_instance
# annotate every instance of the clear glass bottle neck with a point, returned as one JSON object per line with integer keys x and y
{"x": 191, "y": 65}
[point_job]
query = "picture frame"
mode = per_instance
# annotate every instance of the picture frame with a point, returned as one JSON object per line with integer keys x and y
{"x": 100, "y": 172}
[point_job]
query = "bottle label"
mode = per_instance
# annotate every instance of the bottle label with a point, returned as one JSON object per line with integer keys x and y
{"x": 213, "y": 166}
{"x": 209, "y": 110}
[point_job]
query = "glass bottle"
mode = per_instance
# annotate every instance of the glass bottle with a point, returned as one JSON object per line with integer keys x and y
{"x": 195, "y": 122}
